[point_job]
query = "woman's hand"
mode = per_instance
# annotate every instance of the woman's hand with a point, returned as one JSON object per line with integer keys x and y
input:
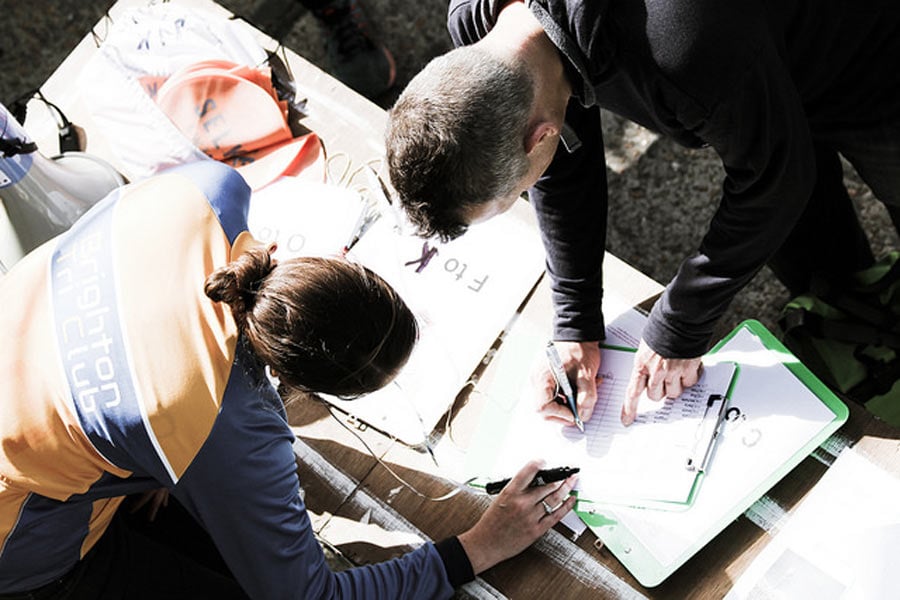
{"x": 517, "y": 518}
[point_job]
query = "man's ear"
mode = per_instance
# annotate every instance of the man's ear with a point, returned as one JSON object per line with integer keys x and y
{"x": 540, "y": 132}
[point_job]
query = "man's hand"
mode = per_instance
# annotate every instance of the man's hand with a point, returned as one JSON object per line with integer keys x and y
{"x": 581, "y": 361}
{"x": 516, "y": 518}
{"x": 660, "y": 377}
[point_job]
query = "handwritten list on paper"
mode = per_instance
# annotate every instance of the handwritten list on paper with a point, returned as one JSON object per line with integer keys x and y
{"x": 644, "y": 462}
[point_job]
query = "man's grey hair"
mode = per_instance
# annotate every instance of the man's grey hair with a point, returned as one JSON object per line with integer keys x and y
{"x": 456, "y": 138}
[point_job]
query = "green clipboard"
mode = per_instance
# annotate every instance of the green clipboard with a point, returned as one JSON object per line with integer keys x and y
{"x": 782, "y": 412}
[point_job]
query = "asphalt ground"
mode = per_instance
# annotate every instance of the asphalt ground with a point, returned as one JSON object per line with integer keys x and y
{"x": 661, "y": 195}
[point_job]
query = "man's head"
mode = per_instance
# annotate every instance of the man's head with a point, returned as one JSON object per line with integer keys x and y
{"x": 457, "y": 140}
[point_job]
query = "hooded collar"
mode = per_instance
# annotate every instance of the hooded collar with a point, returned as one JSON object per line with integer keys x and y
{"x": 575, "y": 28}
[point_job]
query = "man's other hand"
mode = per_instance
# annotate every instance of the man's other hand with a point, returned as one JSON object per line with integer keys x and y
{"x": 660, "y": 377}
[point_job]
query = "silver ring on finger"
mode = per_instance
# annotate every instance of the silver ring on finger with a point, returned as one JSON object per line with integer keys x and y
{"x": 547, "y": 508}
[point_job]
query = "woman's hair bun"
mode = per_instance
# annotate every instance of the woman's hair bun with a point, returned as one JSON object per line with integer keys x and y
{"x": 236, "y": 283}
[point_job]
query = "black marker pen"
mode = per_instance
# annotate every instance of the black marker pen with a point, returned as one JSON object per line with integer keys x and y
{"x": 543, "y": 477}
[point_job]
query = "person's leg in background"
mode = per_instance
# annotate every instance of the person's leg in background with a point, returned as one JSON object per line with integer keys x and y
{"x": 875, "y": 154}
{"x": 828, "y": 240}
{"x": 353, "y": 51}
{"x": 355, "y": 54}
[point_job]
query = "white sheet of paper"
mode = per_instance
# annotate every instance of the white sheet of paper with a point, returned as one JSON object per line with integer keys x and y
{"x": 463, "y": 293}
{"x": 304, "y": 218}
{"x": 624, "y": 323}
{"x": 841, "y": 542}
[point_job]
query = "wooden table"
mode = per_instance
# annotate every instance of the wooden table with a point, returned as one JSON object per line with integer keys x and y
{"x": 357, "y": 503}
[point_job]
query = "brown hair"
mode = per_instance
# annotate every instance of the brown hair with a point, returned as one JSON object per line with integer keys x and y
{"x": 323, "y": 324}
{"x": 456, "y": 138}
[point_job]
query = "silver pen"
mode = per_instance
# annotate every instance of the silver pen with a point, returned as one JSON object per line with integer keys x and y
{"x": 371, "y": 212}
{"x": 697, "y": 461}
{"x": 562, "y": 380}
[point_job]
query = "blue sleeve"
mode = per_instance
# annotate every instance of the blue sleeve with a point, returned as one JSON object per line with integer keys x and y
{"x": 244, "y": 489}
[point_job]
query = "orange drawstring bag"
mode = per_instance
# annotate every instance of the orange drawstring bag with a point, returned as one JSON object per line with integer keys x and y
{"x": 233, "y": 114}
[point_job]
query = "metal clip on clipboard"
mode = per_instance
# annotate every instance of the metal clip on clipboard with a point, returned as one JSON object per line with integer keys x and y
{"x": 705, "y": 441}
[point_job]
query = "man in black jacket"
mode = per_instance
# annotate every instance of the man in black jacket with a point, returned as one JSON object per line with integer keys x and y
{"x": 776, "y": 88}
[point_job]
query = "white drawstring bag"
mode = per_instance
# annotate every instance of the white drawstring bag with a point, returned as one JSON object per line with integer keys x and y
{"x": 144, "y": 48}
